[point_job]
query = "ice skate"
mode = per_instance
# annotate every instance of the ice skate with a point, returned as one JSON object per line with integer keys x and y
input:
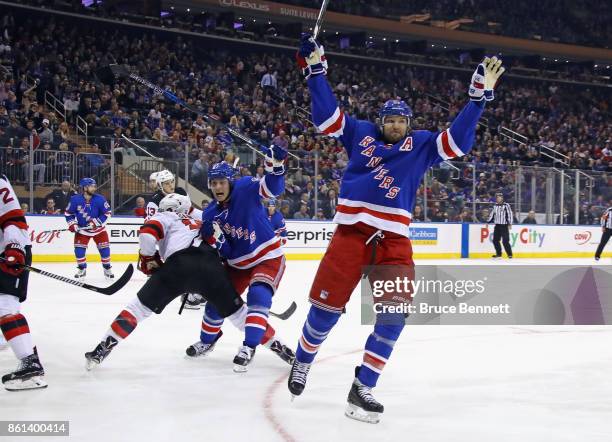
{"x": 243, "y": 358}
{"x": 297, "y": 378}
{"x": 28, "y": 376}
{"x": 81, "y": 273}
{"x": 98, "y": 354}
{"x": 361, "y": 404}
{"x": 201, "y": 349}
{"x": 108, "y": 273}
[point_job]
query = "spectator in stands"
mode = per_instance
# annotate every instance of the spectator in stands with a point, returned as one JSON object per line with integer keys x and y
{"x": 94, "y": 162}
{"x": 465, "y": 216}
{"x": 45, "y": 133}
{"x": 268, "y": 81}
{"x": 50, "y": 208}
{"x": 303, "y": 212}
{"x": 329, "y": 204}
{"x": 60, "y": 164}
{"x": 320, "y": 216}
{"x": 62, "y": 195}
{"x": 484, "y": 216}
{"x": 63, "y": 132}
{"x": 38, "y": 166}
{"x": 140, "y": 209}
{"x": 26, "y": 208}
{"x": 530, "y": 218}
{"x": 199, "y": 171}
{"x": 417, "y": 214}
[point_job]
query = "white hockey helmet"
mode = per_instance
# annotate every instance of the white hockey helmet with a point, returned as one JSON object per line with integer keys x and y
{"x": 153, "y": 177}
{"x": 163, "y": 176}
{"x": 176, "y": 203}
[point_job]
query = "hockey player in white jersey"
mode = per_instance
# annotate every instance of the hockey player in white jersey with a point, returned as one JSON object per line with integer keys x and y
{"x": 183, "y": 264}
{"x": 166, "y": 184}
{"x": 16, "y": 252}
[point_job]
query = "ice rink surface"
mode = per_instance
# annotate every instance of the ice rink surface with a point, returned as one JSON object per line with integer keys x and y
{"x": 442, "y": 383}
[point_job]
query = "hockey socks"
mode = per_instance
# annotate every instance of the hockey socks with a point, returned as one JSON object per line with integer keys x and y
{"x": 127, "y": 320}
{"x": 259, "y": 301}
{"x": 378, "y": 348}
{"x": 17, "y": 333}
{"x": 104, "y": 250}
{"x": 79, "y": 251}
{"x": 316, "y": 328}
{"x": 211, "y": 324}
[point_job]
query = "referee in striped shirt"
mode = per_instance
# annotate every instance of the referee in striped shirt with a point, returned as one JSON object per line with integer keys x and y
{"x": 606, "y": 228}
{"x": 501, "y": 216}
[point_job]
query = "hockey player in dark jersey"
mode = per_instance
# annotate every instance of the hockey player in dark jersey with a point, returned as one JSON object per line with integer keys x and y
{"x": 166, "y": 184}
{"x": 386, "y": 164}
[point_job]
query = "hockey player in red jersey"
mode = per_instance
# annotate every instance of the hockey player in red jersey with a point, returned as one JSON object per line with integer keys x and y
{"x": 16, "y": 251}
{"x": 386, "y": 165}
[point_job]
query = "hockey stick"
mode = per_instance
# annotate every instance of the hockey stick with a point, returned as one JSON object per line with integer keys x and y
{"x": 110, "y": 290}
{"x": 287, "y": 313}
{"x": 108, "y": 224}
{"x": 319, "y": 23}
{"x": 141, "y": 148}
{"x": 115, "y": 71}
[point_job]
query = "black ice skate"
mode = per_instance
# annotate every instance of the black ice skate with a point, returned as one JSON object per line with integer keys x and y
{"x": 81, "y": 273}
{"x": 361, "y": 404}
{"x": 28, "y": 376}
{"x": 281, "y": 350}
{"x": 243, "y": 358}
{"x": 297, "y": 377}
{"x": 200, "y": 349}
{"x": 98, "y": 354}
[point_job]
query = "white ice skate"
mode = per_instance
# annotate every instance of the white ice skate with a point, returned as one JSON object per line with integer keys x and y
{"x": 243, "y": 358}
{"x": 108, "y": 274}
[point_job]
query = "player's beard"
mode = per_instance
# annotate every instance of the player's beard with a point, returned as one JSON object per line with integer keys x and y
{"x": 395, "y": 137}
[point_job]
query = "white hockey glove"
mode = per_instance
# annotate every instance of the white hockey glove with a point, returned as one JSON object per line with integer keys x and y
{"x": 311, "y": 57}
{"x": 485, "y": 79}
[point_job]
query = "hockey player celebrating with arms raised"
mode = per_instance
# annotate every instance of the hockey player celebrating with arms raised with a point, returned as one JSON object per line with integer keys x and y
{"x": 183, "y": 264}
{"x": 16, "y": 252}
{"x": 386, "y": 164}
{"x": 253, "y": 253}
{"x": 86, "y": 215}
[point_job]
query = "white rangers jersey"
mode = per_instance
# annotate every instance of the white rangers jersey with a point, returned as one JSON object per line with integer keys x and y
{"x": 13, "y": 225}
{"x": 170, "y": 232}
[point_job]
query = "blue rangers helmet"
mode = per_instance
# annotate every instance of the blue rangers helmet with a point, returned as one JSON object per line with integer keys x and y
{"x": 394, "y": 107}
{"x": 222, "y": 170}
{"x": 87, "y": 182}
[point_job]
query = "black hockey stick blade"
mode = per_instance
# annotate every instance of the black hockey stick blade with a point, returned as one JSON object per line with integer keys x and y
{"x": 287, "y": 313}
{"x": 115, "y": 286}
{"x": 110, "y": 290}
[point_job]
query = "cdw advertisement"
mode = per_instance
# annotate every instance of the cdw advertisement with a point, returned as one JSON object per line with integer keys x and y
{"x": 538, "y": 240}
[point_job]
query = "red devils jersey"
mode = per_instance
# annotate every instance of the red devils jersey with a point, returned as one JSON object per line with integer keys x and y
{"x": 13, "y": 225}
